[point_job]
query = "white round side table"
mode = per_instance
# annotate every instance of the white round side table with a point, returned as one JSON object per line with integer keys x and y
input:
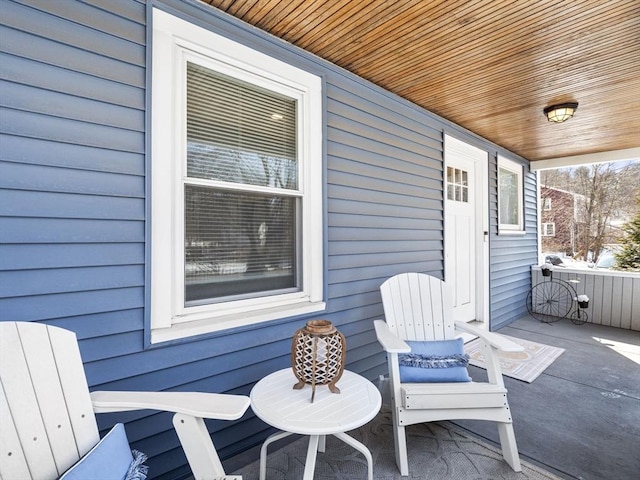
{"x": 275, "y": 402}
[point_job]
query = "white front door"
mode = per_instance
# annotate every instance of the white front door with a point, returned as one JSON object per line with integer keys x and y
{"x": 464, "y": 228}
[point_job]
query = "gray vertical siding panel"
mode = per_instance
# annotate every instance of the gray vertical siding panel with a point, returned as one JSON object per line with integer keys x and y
{"x": 614, "y": 297}
{"x": 626, "y": 303}
{"x": 72, "y": 209}
{"x": 589, "y": 289}
{"x": 635, "y": 305}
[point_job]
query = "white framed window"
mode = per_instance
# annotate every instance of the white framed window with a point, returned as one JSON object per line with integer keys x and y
{"x": 236, "y": 184}
{"x": 548, "y": 230}
{"x": 510, "y": 197}
{"x": 546, "y": 203}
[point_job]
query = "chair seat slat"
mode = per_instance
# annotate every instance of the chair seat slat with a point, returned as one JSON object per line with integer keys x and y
{"x": 474, "y": 396}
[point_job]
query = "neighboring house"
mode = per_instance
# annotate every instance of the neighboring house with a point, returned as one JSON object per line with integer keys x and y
{"x": 564, "y": 226}
{"x": 185, "y": 235}
{"x": 559, "y": 220}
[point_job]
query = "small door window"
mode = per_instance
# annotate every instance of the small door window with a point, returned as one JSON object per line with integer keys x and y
{"x": 457, "y": 185}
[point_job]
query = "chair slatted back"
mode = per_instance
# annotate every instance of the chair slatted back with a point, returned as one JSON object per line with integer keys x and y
{"x": 418, "y": 307}
{"x": 47, "y": 420}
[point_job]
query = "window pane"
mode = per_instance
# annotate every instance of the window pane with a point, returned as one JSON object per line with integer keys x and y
{"x": 238, "y": 132}
{"x": 508, "y": 197}
{"x": 237, "y": 244}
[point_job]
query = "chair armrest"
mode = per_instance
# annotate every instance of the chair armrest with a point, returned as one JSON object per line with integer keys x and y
{"x": 389, "y": 341}
{"x": 216, "y": 406}
{"x": 494, "y": 339}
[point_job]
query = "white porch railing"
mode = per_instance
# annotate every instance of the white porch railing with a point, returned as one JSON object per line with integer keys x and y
{"x": 614, "y": 297}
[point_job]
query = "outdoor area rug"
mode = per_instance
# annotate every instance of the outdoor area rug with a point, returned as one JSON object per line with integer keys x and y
{"x": 439, "y": 451}
{"x": 525, "y": 366}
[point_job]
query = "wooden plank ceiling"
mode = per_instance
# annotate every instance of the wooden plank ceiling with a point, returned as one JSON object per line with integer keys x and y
{"x": 490, "y": 66}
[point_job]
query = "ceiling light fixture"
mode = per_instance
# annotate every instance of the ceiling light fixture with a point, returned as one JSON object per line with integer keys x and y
{"x": 561, "y": 112}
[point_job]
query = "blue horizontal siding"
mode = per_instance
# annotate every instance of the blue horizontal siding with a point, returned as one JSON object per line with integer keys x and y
{"x": 371, "y": 116}
{"x": 35, "y": 125}
{"x": 54, "y": 179}
{"x": 379, "y": 222}
{"x": 27, "y": 203}
{"x": 390, "y": 234}
{"x": 23, "y": 44}
{"x": 46, "y": 230}
{"x": 124, "y": 19}
{"x": 347, "y": 192}
{"x": 60, "y": 280}
{"x": 413, "y": 163}
{"x": 102, "y": 324}
{"x": 376, "y": 246}
{"x": 64, "y": 31}
{"x": 37, "y": 151}
{"x": 511, "y": 256}
{"x": 352, "y": 260}
{"x": 420, "y": 209}
{"x": 54, "y": 306}
{"x": 374, "y": 187}
{"x": 42, "y": 256}
{"x": 347, "y": 122}
{"x": 73, "y": 227}
{"x": 55, "y": 78}
{"x": 37, "y": 100}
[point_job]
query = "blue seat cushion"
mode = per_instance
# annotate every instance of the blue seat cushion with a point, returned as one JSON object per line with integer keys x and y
{"x": 110, "y": 459}
{"x": 434, "y": 361}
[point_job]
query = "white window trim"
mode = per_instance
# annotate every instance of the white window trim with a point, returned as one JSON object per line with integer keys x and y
{"x": 517, "y": 168}
{"x": 546, "y": 203}
{"x": 173, "y": 40}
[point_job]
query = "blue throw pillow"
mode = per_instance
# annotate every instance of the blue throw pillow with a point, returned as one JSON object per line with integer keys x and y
{"x": 434, "y": 361}
{"x": 110, "y": 459}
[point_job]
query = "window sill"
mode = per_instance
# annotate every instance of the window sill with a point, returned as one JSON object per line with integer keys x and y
{"x": 512, "y": 232}
{"x": 211, "y": 325}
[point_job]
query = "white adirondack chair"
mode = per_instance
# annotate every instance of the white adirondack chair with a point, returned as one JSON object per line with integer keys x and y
{"x": 419, "y": 307}
{"x": 47, "y": 413}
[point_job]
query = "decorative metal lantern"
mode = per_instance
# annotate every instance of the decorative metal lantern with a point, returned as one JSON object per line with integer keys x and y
{"x": 318, "y": 354}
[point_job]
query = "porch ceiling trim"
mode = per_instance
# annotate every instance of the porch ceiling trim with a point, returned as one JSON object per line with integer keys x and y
{"x": 587, "y": 159}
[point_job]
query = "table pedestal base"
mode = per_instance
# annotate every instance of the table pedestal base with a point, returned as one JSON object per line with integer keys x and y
{"x": 316, "y": 443}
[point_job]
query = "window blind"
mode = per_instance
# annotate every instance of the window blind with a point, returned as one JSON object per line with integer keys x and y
{"x": 238, "y": 132}
{"x": 238, "y": 244}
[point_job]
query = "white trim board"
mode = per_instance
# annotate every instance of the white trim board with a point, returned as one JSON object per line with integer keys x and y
{"x": 602, "y": 157}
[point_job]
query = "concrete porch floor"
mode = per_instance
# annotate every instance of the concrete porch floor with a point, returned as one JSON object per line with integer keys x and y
{"x": 581, "y": 417}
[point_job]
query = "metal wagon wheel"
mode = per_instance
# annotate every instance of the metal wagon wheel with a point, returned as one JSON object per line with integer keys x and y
{"x": 549, "y": 301}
